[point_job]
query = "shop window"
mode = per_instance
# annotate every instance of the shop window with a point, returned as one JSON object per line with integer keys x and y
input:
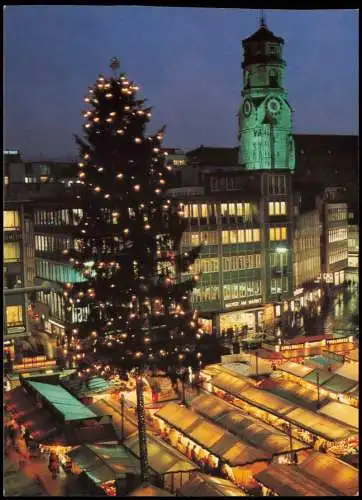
{"x": 11, "y": 252}
{"x": 11, "y": 220}
{"x": 14, "y": 315}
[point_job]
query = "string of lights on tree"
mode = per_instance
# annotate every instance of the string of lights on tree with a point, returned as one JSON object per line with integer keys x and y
{"x": 128, "y": 241}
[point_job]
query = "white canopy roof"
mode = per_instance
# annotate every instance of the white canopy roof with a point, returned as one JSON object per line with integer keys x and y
{"x": 339, "y": 411}
{"x": 349, "y": 370}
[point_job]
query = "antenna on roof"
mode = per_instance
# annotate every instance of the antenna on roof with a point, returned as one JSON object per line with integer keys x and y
{"x": 262, "y": 19}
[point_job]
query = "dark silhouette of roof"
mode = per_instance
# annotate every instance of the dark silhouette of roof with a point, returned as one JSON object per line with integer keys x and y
{"x": 263, "y": 35}
{"x": 217, "y": 157}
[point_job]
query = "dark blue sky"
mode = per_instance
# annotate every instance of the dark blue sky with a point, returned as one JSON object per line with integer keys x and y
{"x": 187, "y": 62}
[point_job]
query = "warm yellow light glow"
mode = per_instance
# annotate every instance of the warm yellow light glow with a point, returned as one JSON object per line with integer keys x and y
{"x": 119, "y": 176}
{"x": 137, "y": 187}
{"x": 137, "y": 140}
{"x": 97, "y": 188}
{"x": 120, "y": 131}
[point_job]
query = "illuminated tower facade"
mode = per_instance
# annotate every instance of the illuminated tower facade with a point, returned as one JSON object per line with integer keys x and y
{"x": 265, "y": 117}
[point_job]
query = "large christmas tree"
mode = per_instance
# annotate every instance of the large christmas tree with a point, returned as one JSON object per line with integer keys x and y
{"x": 128, "y": 240}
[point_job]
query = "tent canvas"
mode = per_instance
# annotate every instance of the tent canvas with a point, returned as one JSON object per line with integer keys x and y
{"x": 295, "y": 369}
{"x": 349, "y": 371}
{"x": 339, "y": 384}
{"x": 69, "y": 406}
{"x": 341, "y": 412}
{"x": 202, "y": 485}
{"x": 232, "y": 384}
{"x": 149, "y": 491}
{"x": 341, "y": 477}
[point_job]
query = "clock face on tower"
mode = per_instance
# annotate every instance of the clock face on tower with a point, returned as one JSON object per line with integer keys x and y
{"x": 273, "y": 106}
{"x": 247, "y": 108}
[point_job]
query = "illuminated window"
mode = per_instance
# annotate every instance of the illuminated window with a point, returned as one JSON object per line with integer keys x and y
{"x": 239, "y": 209}
{"x": 248, "y": 235}
{"x": 224, "y": 209}
{"x": 203, "y": 210}
{"x": 277, "y": 233}
{"x": 241, "y": 235}
{"x": 247, "y": 209}
{"x": 6, "y": 180}
{"x": 195, "y": 211}
{"x": 233, "y": 237}
{"x": 11, "y": 220}
{"x": 225, "y": 237}
{"x": 232, "y": 210}
{"x": 283, "y": 208}
{"x": 283, "y": 233}
{"x": 44, "y": 178}
{"x": 271, "y": 208}
{"x": 187, "y": 211}
{"x": 195, "y": 239}
{"x": 14, "y": 315}
{"x": 11, "y": 252}
{"x": 272, "y": 234}
{"x": 256, "y": 234}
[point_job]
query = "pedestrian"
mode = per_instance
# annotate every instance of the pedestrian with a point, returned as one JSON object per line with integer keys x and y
{"x": 27, "y": 437}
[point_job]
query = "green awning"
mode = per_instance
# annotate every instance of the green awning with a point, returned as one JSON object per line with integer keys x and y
{"x": 63, "y": 401}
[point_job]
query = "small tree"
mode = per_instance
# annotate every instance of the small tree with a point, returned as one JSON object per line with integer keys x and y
{"x": 128, "y": 240}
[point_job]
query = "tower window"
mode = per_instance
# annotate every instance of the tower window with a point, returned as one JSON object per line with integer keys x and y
{"x": 273, "y": 78}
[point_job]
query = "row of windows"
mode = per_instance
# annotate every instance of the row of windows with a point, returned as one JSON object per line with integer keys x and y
{"x": 51, "y": 243}
{"x": 335, "y": 214}
{"x": 55, "y": 302}
{"x": 207, "y": 210}
{"x": 338, "y": 234}
{"x": 11, "y": 220}
{"x": 205, "y": 293}
{"x": 240, "y": 262}
{"x": 14, "y": 315}
{"x": 307, "y": 243}
{"x": 277, "y": 233}
{"x": 306, "y": 270}
{"x": 66, "y": 216}
{"x": 12, "y": 251}
{"x": 353, "y": 244}
{"x": 240, "y": 236}
{"x": 279, "y": 285}
{"x": 245, "y": 289}
{"x": 277, "y": 184}
{"x": 201, "y": 238}
{"x": 277, "y": 208}
{"x": 337, "y": 255}
{"x": 227, "y": 183}
{"x": 206, "y": 266}
{"x": 278, "y": 259}
{"x": 57, "y": 272}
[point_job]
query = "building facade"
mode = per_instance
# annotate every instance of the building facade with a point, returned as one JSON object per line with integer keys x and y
{"x": 335, "y": 236}
{"x": 243, "y": 221}
{"x": 265, "y": 116}
{"x": 353, "y": 248}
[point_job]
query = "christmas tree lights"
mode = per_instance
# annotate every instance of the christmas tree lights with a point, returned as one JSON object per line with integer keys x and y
{"x": 128, "y": 248}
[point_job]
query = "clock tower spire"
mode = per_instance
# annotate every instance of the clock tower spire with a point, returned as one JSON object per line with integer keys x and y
{"x": 265, "y": 116}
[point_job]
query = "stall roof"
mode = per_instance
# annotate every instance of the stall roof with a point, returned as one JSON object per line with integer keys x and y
{"x": 288, "y": 480}
{"x": 341, "y": 477}
{"x": 72, "y": 435}
{"x": 341, "y": 412}
{"x": 63, "y": 401}
{"x": 353, "y": 355}
{"x": 105, "y": 463}
{"x": 243, "y": 425}
{"x": 302, "y": 396}
{"x": 149, "y": 491}
{"x": 161, "y": 457}
{"x": 339, "y": 384}
{"x": 267, "y": 401}
{"x": 349, "y": 370}
{"x": 251, "y": 368}
{"x": 354, "y": 392}
{"x": 215, "y": 439}
{"x": 202, "y": 485}
{"x": 321, "y": 425}
{"x": 102, "y": 408}
{"x": 179, "y": 415}
{"x": 324, "y": 375}
{"x": 295, "y": 369}
{"x": 230, "y": 383}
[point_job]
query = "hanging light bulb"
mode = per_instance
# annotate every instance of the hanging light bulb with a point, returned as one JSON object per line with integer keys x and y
{"x": 119, "y": 176}
{"x": 120, "y": 131}
{"x": 97, "y": 188}
{"x": 109, "y": 95}
{"x": 96, "y": 119}
{"x": 137, "y": 187}
{"x": 100, "y": 169}
{"x": 137, "y": 140}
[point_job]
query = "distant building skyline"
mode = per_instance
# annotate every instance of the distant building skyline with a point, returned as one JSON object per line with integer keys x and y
{"x": 187, "y": 62}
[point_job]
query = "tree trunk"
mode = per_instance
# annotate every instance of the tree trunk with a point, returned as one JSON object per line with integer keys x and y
{"x": 142, "y": 436}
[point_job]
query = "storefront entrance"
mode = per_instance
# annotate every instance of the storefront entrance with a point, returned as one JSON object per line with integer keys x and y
{"x": 237, "y": 320}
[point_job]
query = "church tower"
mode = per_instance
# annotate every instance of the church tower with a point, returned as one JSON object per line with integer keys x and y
{"x": 265, "y": 117}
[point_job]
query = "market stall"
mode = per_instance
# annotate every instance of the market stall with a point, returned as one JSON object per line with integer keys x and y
{"x": 246, "y": 427}
{"x": 169, "y": 466}
{"x": 290, "y": 481}
{"x": 206, "y": 486}
{"x": 349, "y": 371}
{"x": 104, "y": 464}
{"x": 294, "y": 371}
{"x": 214, "y": 448}
{"x": 332, "y": 472}
{"x": 149, "y": 491}
{"x": 341, "y": 412}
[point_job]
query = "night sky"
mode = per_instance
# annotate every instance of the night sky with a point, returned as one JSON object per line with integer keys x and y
{"x": 187, "y": 62}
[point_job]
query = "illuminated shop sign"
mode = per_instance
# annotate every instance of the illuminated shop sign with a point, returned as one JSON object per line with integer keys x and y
{"x": 12, "y": 152}
{"x": 240, "y": 303}
{"x": 298, "y": 291}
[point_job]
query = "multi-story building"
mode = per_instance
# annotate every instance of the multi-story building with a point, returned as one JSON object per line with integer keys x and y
{"x": 243, "y": 222}
{"x": 353, "y": 248}
{"x": 335, "y": 236}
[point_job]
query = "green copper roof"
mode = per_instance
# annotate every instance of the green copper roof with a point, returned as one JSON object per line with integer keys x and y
{"x": 63, "y": 401}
